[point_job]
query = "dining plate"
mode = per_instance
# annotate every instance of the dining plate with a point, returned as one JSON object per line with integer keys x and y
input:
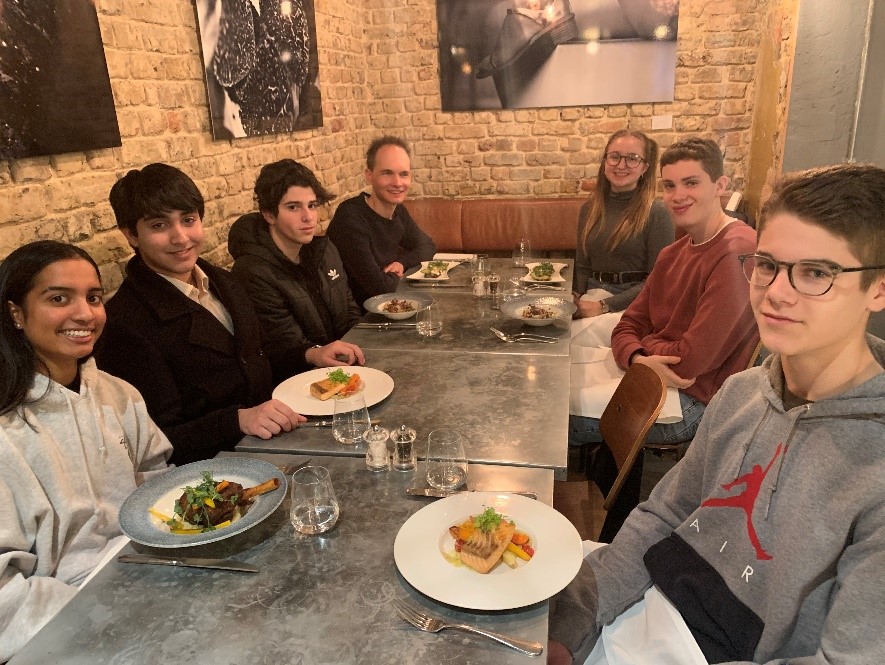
{"x": 161, "y": 492}
{"x": 421, "y": 541}
{"x": 556, "y": 277}
{"x": 420, "y": 276}
{"x": 295, "y": 391}
{"x": 376, "y": 304}
{"x": 558, "y": 308}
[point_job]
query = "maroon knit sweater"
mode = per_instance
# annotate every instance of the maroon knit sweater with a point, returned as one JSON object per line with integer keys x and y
{"x": 695, "y": 305}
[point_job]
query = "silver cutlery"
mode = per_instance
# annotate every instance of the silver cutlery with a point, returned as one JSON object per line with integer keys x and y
{"x": 188, "y": 562}
{"x": 441, "y": 494}
{"x": 524, "y": 337}
{"x": 431, "y": 624}
{"x": 383, "y": 326}
{"x": 543, "y": 287}
{"x": 329, "y": 423}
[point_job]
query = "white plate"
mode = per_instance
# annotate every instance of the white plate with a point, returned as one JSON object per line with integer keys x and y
{"x": 418, "y": 556}
{"x": 554, "y": 278}
{"x": 161, "y": 493}
{"x": 376, "y": 304}
{"x": 295, "y": 391}
{"x": 418, "y": 275}
{"x": 562, "y": 308}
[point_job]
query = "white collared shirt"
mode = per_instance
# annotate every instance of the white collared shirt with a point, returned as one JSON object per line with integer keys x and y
{"x": 201, "y": 295}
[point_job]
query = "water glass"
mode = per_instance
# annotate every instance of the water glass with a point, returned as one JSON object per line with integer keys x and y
{"x": 446, "y": 460}
{"x": 350, "y": 420}
{"x": 429, "y": 321}
{"x": 481, "y": 264}
{"x": 522, "y": 253}
{"x": 314, "y": 504}
{"x": 404, "y": 454}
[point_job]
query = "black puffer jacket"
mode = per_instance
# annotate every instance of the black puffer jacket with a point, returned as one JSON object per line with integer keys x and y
{"x": 287, "y": 296}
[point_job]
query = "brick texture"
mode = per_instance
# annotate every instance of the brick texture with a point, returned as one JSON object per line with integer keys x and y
{"x": 378, "y": 74}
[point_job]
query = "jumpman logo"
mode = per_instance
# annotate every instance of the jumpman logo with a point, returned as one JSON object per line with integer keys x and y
{"x": 747, "y": 499}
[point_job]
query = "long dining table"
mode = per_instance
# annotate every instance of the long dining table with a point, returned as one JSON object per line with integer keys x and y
{"x": 509, "y": 401}
{"x": 324, "y": 599}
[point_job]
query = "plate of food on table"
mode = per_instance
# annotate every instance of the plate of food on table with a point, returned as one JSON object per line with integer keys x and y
{"x": 535, "y": 310}
{"x": 544, "y": 272}
{"x": 313, "y": 393}
{"x": 433, "y": 271}
{"x": 488, "y": 551}
{"x": 202, "y": 502}
{"x": 397, "y": 306}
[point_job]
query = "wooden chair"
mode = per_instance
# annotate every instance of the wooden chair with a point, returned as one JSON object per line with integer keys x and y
{"x": 630, "y": 413}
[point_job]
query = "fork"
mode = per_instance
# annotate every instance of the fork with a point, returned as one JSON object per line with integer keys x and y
{"x": 431, "y": 624}
{"x": 528, "y": 337}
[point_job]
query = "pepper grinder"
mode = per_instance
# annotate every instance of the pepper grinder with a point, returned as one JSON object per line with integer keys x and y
{"x": 377, "y": 456}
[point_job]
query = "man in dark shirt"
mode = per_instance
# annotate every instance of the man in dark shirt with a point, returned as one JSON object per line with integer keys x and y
{"x": 376, "y": 237}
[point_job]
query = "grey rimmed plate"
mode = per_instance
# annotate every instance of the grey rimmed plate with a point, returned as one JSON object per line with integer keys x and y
{"x": 161, "y": 493}
{"x": 556, "y": 307}
{"x": 376, "y": 304}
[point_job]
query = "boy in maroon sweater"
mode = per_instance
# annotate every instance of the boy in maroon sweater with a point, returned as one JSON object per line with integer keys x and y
{"x": 692, "y": 321}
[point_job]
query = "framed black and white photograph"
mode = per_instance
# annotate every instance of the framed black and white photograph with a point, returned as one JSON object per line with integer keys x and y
{"x": 261, "y": 65}
{"x": 540, "y": 53}
{"x": 55, "y": 93}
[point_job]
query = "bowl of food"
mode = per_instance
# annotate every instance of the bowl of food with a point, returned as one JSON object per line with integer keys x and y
{"x": 397, "y": 306}
{"x": 534, "y": 310}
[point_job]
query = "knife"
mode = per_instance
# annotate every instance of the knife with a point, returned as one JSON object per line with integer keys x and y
{"x": 189, "y": 562}
{"x": 440, "y": 494}
{"x": 380, "y": 326}
{"x": 329, "y": 423}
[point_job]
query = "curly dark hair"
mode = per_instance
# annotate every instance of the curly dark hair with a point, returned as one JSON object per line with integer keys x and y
{"x": 275, "y": 179}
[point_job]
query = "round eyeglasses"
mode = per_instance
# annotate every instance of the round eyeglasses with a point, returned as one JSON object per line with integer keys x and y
{"x": 810, "y": 278}
{"x": 632, "y": 160}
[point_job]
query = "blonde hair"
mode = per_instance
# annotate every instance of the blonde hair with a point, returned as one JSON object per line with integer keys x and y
{"x": 636, "y": 215}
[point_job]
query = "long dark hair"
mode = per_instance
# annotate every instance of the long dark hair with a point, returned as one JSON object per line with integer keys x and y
{"x": 636, "y": 215}
{"x": 18, "y": 272}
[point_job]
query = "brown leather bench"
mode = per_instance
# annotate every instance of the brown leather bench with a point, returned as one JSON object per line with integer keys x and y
{"x": 494, "y": 225}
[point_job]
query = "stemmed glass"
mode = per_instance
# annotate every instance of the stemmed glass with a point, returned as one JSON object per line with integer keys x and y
{"x": 446, "y": 460}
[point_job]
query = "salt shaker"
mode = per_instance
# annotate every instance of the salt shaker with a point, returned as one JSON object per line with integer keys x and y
{"x": 377, "y": 457}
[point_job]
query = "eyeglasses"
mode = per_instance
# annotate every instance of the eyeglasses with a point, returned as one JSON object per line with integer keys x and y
{"x": 810, "y": 278}
{"x": 632, "y": 160}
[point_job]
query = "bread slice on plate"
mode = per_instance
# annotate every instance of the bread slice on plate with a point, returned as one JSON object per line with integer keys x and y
{"x": 484, "y": 548}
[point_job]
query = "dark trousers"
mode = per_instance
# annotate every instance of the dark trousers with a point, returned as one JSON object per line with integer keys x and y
{"x": 604, "y": 472}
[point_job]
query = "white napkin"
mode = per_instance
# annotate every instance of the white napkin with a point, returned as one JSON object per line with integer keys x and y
{"x": 595, "y": 375}
{"x": 453, "y": 257}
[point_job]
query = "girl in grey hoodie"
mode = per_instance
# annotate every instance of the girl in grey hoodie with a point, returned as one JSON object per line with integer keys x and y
{"x": 74, "y": 441}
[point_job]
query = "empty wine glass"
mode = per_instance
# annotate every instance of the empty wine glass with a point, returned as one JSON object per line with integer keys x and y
{"x": 350, "y": 419}
{"x": 314, "y": 504}
{"x": 446, "y": 460}
{"x": 522, "y": 253}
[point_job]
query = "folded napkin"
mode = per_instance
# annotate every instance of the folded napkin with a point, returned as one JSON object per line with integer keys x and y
{"x": 453, "y": 257}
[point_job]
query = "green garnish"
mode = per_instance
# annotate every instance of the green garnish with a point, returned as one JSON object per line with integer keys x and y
{"x": 338, "y": 376}
{"x": 196, "y": 497}
{"x": 487, "y": 521}
{"x": 543, "y": 270}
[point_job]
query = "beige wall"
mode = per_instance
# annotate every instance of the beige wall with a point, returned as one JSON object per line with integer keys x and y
{"x": 378, "y": 73}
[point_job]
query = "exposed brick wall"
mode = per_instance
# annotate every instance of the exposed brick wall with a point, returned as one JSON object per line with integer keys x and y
{"x": 378, "y": 74}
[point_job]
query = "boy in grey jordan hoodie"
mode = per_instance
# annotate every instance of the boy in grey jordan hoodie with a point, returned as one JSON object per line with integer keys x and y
{"x": 769, "y": 536}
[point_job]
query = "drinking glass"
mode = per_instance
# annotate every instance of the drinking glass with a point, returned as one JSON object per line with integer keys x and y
{"x": 481, "y": 264}
{"x": 446, "y": 461}
{"x": 350, "y": 420}
{"x": 314, "y": 504}
{"x": 404, "y": 454}
{"x": 429, "y": 321}
{"x": 522, "y": 253}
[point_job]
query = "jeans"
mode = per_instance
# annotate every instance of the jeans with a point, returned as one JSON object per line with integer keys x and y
{"x": 604, "y": 471}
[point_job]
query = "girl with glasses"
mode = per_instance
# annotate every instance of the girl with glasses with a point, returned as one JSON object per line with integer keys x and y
{"x": 622, "y": 228}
